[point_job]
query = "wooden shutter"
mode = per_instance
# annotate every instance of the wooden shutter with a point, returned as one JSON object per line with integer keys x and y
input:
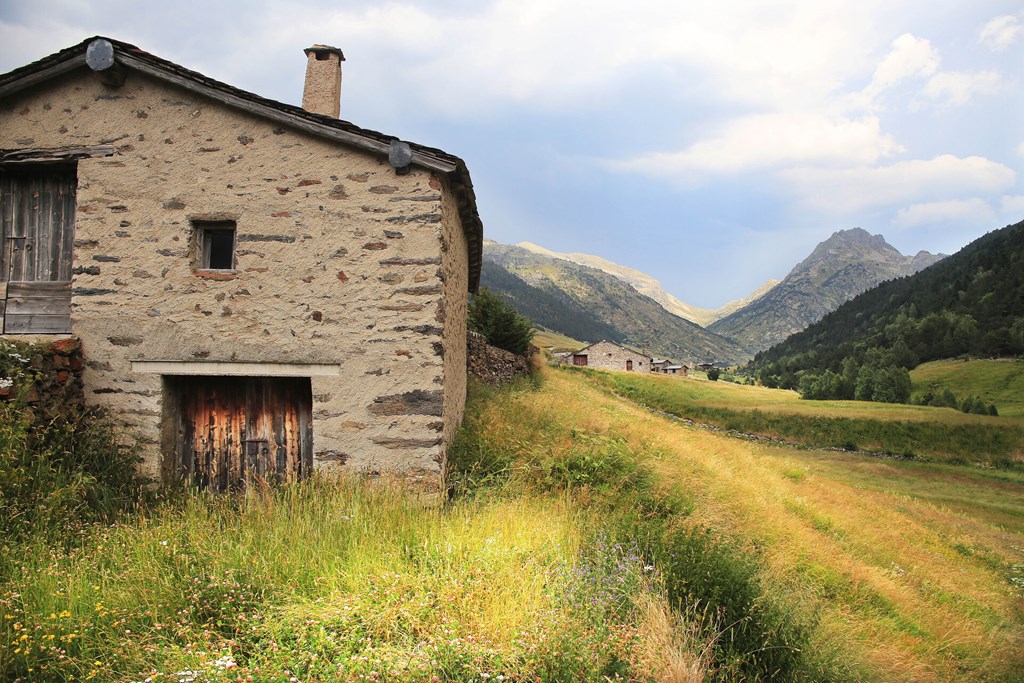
{"x": 37, "y": 218}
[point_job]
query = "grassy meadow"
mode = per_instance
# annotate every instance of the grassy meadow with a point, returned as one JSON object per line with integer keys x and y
{"x": 921, "y": 432}
{"x": 587, "y": 539}
{"x": 1000, "y": 382}
{"x": 546, "y": 340}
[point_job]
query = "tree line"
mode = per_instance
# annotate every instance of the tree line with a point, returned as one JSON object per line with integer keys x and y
{"x": 969, "y": 304}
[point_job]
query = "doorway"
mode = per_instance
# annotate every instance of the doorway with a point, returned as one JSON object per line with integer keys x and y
{"x": 227, "y": 433}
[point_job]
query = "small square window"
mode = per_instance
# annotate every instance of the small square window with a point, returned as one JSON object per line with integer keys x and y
{"x": 215, "y": 245}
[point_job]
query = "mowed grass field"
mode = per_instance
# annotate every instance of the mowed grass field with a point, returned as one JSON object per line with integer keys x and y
{"x": 923, "y": 432}
{"x": 1000, "y": 382}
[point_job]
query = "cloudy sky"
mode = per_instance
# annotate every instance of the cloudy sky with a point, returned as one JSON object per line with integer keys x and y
{"x": 709, "y": 143}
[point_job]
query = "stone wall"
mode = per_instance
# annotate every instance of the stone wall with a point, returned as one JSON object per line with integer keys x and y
{"x": 339, "y": 261}
{"x": 53, "y": 368}
{"x": 452, "y": 312}
{"x": 493, "y": 365}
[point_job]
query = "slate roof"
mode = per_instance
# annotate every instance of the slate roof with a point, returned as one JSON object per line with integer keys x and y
{"x": 131, "y": 57}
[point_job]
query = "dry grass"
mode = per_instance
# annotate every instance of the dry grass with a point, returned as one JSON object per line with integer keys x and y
{"x": 546, "y": 340}
{"x": 671, "y": 649}
{"x": 886, "y": 572}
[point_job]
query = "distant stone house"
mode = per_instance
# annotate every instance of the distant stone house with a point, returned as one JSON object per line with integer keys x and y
{"x": 608, "y": 355}
{"x": 260, "y": 290}
{"x": 667, "y": 367}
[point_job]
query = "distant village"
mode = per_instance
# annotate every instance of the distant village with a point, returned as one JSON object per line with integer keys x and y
{"x": 607, "y": 355}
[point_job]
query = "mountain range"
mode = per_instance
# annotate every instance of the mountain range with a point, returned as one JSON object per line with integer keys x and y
{"x": 846, "y": 264}
{"x": 648, "y": 286}
{"x": 971, "y": 303}
{"x": 589, "y": 304}
{"x": 589, "y": 298}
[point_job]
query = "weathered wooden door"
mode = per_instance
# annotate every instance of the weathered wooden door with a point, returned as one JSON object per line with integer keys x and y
{"x": 37, "y": 219}
{"x": 234, "y": 431}
{"x": 629, "y": 365}
{"x": 579, "y": 359}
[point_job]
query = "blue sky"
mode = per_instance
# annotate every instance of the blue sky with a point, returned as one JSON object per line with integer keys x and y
{"x": 710, "y": 144}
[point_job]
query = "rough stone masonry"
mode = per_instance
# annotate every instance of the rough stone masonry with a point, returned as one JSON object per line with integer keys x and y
{"x": 344, "y": 271}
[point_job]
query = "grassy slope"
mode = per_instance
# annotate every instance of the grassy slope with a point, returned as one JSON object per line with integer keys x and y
{"x": 332, "y": 582}
{"x": 897, "y": 570}
{"x": 1000, "y": 382}
{"x": 907, "y": 566}
{"x": 553, "y": 341}
{"x": 934, "y": 433}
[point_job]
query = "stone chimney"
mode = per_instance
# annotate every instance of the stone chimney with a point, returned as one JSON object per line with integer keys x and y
{"x": 322, "y": 92}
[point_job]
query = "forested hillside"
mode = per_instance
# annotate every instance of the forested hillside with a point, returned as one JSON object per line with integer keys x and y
{"x": 971, "y": 303}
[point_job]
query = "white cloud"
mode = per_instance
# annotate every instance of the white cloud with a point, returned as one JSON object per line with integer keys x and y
{"x": 958, "y": 87}
{"x": 21, "y": 45}
{"x": 1001, "y": 32}
{"x": 906, "y": 182}
{"x": 974, "y": 211}
{"x": 916, "y": 59}
{"x": 772, "y": 140}
{"x": 909, "y": 57}
{"x": 557, "y": 54}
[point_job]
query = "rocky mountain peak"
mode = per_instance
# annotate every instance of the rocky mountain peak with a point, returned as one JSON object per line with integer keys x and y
{"x": 841, "y": 267}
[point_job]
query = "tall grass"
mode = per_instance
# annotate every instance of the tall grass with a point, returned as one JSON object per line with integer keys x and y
{"x": 791, "y": 569}
{"x": 334, "y": 580}
{"x": 328, "y": 581}
{"x": 58, "y": 470}
{"x": 586, "y": 540}
{"x": 533, "y": 441}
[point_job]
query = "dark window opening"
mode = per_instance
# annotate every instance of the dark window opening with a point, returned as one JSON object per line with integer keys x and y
{"x": 216, "y": 245}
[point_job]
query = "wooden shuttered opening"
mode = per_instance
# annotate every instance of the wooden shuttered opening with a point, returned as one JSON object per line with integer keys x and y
{"x": 230, "y": 432}
{"x": 37, "y": 217}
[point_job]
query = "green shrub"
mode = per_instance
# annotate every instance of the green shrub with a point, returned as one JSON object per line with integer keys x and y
{"x": 499, "y": 322}
{"x": 62, "y": 471}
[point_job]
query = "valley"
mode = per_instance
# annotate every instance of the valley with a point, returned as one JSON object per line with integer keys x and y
{"x": 589, "y": 297}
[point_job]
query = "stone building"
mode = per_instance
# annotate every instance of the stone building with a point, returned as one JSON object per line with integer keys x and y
{"x": 608, "y": 355}
{"x": 665, "y": 366}
{"x": 259, "y": 289}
